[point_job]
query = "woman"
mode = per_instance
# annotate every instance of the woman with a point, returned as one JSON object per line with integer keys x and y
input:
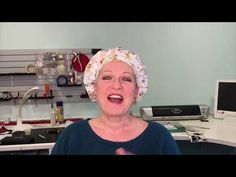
{"x": 116, "y": 79}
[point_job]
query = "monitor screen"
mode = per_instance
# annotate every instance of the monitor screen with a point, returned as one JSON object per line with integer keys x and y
{"x": 225, "y": 99}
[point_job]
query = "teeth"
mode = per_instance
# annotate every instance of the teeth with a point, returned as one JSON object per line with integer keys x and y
{"x": 115, "y": 96}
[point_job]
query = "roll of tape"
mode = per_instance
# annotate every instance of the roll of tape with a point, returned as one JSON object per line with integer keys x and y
{"x": 62, "y": 80}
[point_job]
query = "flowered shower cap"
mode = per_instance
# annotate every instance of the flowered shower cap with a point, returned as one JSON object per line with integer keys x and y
{"x": 104, "y": 56}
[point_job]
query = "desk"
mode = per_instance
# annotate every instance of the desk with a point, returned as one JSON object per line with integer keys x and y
{"x": 40, "y": 145}
{"x": 219, "y": 131}
{"x": 27, "y": 147}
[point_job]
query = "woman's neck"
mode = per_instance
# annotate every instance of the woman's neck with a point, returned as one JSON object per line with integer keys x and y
{"x": 118, "y": 128}
{"x": 115, "y": 123}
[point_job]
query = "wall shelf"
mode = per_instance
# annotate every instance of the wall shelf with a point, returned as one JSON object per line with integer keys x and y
{"x": 17, "y": 74}
{"x": 69, "y": 85}
{"x": 41, "y": 97}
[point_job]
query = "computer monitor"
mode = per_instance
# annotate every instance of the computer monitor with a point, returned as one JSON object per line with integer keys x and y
{"x": 225, "y": 99}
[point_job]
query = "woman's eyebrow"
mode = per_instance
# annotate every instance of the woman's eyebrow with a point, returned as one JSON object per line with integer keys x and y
{"x": 106, "y": 71}
{"x": 128, "y": 73}
{"x": 109, "y": 71}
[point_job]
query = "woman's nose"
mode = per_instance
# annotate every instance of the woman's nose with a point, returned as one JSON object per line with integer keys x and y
{"x": 117, "y": 84}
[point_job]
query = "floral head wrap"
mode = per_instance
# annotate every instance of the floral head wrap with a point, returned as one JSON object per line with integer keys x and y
{"x": 104, "y": 56}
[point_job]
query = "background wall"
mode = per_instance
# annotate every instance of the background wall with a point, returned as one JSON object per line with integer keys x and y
{"x": 183, "y": 60}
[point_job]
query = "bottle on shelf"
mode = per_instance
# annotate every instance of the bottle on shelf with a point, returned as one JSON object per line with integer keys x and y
{"x": 59, "y": 112}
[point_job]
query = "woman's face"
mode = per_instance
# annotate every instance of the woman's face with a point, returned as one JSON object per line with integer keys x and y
{"x": 116, "y": 88}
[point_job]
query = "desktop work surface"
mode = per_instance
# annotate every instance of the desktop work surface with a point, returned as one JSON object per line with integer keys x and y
{"x": 217, "y": 131}
{"x": 40, "y": 138}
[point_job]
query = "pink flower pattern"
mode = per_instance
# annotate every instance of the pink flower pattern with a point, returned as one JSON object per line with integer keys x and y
{"x": 104, "y": 56}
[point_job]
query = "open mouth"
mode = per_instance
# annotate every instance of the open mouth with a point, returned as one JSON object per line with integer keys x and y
{"x": 115, "y": 98}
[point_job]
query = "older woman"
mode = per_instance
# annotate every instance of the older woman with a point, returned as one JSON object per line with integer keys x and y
{"x": 116, "y": 79}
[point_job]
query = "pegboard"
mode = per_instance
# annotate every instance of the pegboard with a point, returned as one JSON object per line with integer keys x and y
{"x": 16, "y": 76}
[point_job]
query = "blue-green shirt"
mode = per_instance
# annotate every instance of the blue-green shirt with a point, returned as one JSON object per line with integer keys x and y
{"x": 79, "y": 139}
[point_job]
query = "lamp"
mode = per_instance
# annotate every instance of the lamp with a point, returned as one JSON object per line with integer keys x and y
{"x": 19, "y": 125}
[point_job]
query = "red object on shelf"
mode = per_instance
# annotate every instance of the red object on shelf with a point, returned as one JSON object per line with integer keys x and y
{"x": 79, "y": 62}
{"x": 46, "y": 90}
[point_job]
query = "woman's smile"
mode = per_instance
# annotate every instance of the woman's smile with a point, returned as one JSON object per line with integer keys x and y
{"x": 115, "y": 98}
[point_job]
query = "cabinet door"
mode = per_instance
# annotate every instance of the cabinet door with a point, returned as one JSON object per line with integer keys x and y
{"x": 27, "y": 152}
{"x": 204, "y": 148}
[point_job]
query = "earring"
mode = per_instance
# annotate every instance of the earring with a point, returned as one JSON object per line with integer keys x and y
{"x": 94, "y": 97}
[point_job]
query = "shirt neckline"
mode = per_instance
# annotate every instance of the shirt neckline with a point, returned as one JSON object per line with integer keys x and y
{"x": 116, "y": 142}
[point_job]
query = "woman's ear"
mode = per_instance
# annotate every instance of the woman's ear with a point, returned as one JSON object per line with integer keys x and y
{"x": 136, "y": 95}
{"x": 94, "y": 95}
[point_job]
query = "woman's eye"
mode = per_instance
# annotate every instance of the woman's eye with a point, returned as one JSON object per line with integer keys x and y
{"x": 106, "y": 78}
{"x": 126, "y": 79}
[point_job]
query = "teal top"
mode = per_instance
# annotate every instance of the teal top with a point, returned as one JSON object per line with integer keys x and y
{"x": 79, "y": 139}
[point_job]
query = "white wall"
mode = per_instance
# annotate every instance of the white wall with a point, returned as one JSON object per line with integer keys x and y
{"x": 183, "y": 60}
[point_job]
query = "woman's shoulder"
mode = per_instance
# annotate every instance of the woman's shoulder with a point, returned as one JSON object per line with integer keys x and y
{"x": 82, "y": 122}
{"x": 77, "y": 126}
{"x": 156, "y": 127}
